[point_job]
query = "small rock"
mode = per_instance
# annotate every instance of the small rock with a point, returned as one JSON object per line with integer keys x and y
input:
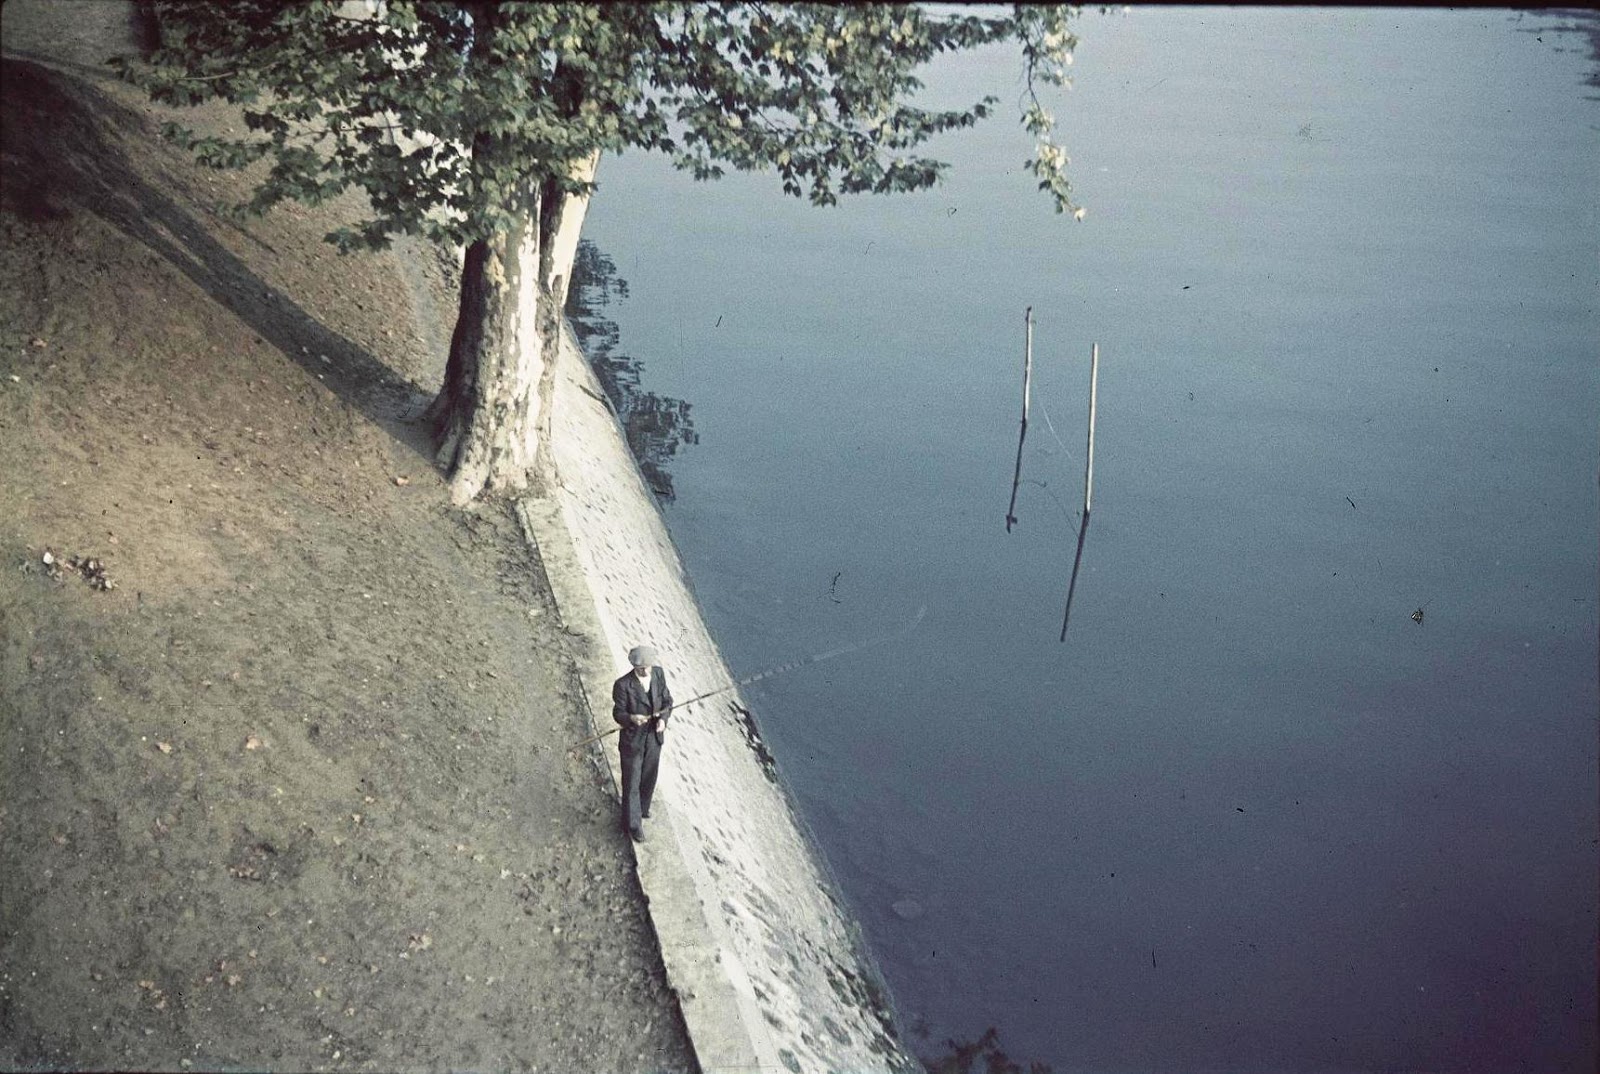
{"x": 164, "y": 747}
{"x": 253, "y": 743}
{"x": 37, "y": 342}
{"x": 402, "y": 481}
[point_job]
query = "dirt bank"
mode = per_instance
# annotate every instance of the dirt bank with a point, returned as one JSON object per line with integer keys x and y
{"x": 293, "y": 792}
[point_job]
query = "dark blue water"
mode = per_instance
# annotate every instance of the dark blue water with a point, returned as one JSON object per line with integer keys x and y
{"x": 1343, "y": 268}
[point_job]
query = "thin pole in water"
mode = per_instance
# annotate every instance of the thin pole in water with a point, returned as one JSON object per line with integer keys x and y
{"x": 1072, "y": 587}
{"x": 1094, "y": 385}
{"x": 1088, "y": 486}
{"x": 1027, "y": 360}
{"x": 1027, "y": 385}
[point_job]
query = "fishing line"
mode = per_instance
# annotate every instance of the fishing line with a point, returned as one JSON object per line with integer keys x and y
{"x": 1065, "y": 514}
{"x": 779, "y": 669}
{"x": 1045, "y": 407}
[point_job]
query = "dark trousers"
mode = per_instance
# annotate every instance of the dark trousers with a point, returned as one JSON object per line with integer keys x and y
{"x": 641, "y": 758}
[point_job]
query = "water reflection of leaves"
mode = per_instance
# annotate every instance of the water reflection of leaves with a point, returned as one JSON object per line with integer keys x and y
{"x": 1579, "y": 21}
{"x": 656, "y": 426}
{"x": 981, "y": 1055}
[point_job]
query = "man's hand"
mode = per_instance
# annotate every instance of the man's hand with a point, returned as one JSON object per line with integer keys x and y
{"x": 639, "y": 721}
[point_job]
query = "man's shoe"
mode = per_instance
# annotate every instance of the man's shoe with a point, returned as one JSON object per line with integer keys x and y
{"x": 637, "y": 834}
{"x": 645, "y": 813}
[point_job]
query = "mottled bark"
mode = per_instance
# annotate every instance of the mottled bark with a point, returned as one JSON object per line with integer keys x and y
{"x": 484, "y": 418}
{"x": 499, "y": 381}
{"x": 491, "y": 415}
{"x": 560, "y": 229}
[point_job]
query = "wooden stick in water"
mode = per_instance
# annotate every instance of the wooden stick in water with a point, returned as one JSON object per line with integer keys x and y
{"x": 1072, "y": 587}
{"x": 1027, "y": 384}
{"x": 1088, "y": 489}
{"x": 1094, "y": 384}
{"x": 1027, "y": 360}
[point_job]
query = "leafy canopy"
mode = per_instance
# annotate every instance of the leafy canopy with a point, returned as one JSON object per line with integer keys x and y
{"x": 453, "y": 116}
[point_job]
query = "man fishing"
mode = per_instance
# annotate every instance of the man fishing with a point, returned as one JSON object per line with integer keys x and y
{"x": 640, "y": 704}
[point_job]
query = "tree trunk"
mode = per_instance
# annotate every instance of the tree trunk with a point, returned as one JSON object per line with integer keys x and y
{"x": 560, "y": 225}
{"x": 560, "y": 230}
{"x": 483, "y": 419}
{"x": 499, "y": 380}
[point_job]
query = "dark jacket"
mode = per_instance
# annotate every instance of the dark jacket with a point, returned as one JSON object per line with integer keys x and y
{"x": 628, "y": 699}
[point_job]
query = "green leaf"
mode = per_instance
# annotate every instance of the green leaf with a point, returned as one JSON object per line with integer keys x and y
{"x": 503, "y": 98}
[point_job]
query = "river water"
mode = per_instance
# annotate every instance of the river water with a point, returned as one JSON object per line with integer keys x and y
{"x": 1256, "y": 813}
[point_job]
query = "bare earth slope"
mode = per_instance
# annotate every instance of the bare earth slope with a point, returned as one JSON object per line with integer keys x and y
{"x": 294, "y": 794}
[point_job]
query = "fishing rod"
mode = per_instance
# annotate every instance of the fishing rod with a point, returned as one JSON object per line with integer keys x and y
{"x": 778, "y": 670}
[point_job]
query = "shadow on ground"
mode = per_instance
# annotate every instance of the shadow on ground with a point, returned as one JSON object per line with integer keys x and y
{"x": 62, "y": 154}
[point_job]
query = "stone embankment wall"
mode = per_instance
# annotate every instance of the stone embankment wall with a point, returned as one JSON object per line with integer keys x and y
{"x": 768, "y": 965}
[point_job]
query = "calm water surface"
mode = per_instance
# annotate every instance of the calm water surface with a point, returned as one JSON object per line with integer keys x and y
{"x": 1252, "y": 816}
